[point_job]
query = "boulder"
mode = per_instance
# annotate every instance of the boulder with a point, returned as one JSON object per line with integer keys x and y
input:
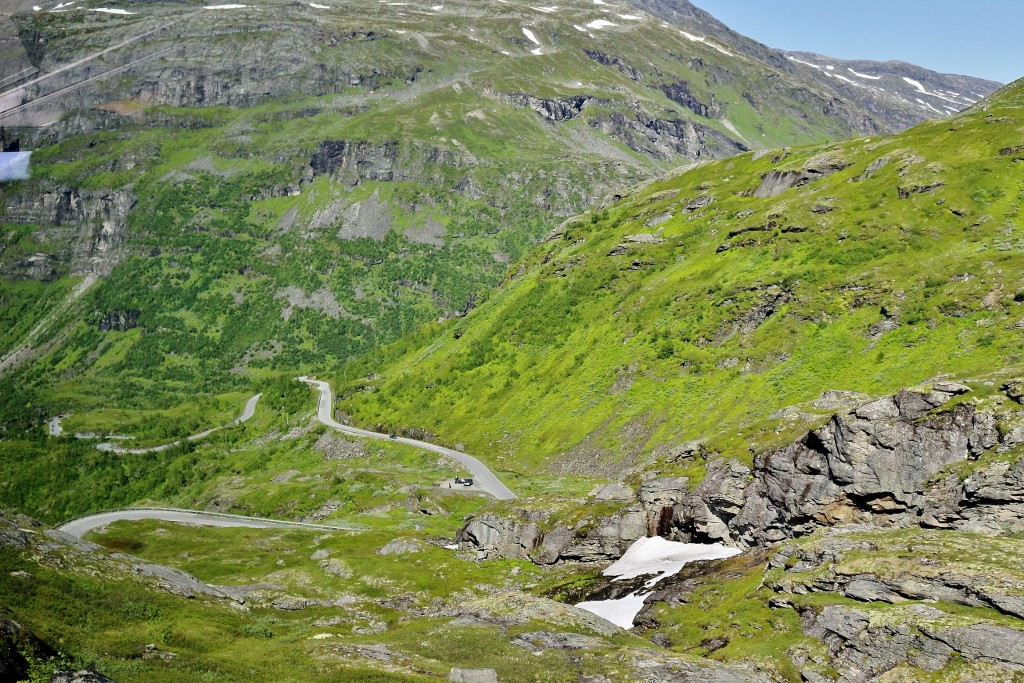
{"x": 473, "y": 676}
{"x": 614, "y": 492}
{"x": 78, "y": 677}
{"x": 401, "y": 546}
{"x": 15, "y": 643}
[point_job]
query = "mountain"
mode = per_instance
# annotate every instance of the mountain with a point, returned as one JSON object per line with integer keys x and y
{"x": 879, "y": 528}
{"x": 703, "y": 303}
{"x": 898, "y": 93}
{"x": 223, "y": 192}
{"x": 805, "y": 354}
{"x": 898, "y": 85}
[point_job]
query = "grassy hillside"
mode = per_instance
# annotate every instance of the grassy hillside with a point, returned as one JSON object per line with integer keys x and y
{"x": 318, "y": 607}
{"x": 226, "y": 236}
{"x": 710, "y": 300}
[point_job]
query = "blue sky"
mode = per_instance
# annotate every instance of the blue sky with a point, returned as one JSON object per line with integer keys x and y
{"x": 974, "y": 37}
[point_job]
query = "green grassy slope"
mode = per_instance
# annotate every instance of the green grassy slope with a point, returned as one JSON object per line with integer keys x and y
{"x": 233, "y": 253}
{"x": 371, "y": 617}
{"x": 724, "y": 307}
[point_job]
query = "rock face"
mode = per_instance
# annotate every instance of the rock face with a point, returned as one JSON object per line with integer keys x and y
{"x": 680, "y": 94}
{"x": 87, "y": 227}
{"x": 664, "y": 138}
{"x": 122, "y": 321}
{"x": 991, "y": 501}
{"x": 79, "y": 677}
{"x": 587, "y": 541}
{"x": 862, "y": 651}
{"x": 15, "y": 642}
{"x": 643, "y": 132}
{"x": 493, "y": 536}
{"x": 875, "y": 464}
{"x": 353, "y": 161}
{"x": 776, "y": 182}
{"x": 610, "y": 60}
{"x": 869, "y": 464}
{"x": 552, "y": 109}
{"x": 872, "y": 464}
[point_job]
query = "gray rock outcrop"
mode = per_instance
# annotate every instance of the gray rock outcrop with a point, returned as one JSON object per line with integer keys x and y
{"x": 777, "y": 181}
{"x": 552, "y": 109}
{"x": 665, "y": 138}
{"x": 862, "y": 649}
{"x": 88, "y": 227}
{"x": 79, "y": 677}
{"x": 15, "y": 643}
{"x": 351, "y": 162}
{"x": 473, "y": 676}
{"x": 958, "y": 586}
{"x": 877, "y": 463}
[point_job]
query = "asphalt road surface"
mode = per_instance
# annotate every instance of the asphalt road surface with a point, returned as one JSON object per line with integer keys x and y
{"x": 83, "y": 525}
{"x": 247, "y": 412}
{"x": 482, "y": 476}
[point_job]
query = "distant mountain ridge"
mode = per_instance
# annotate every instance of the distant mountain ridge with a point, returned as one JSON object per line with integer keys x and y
{"x": 896, "y": 85}
{"x": 895, "y": 97}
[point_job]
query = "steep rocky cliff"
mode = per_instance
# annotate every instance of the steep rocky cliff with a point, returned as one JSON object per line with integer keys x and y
{"x": 81, "y": 231}
{"x": 896, "y": 461}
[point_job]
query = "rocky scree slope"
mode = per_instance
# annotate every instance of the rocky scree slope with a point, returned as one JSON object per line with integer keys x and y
{"x": 280, "y": 184}
{"x": 703, "y": 304}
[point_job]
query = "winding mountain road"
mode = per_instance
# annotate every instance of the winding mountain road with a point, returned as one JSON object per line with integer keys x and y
{"x": 482, "y": 476}
{"x": 83, "y": 525}
{"x": 247, "y": 412}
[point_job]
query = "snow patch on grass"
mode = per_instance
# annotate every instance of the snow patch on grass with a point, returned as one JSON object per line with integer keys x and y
{"x": 860, "y": 75}
{"x": 916, "y": 84}
{"x": 800, "y": 61}
{"x": 650, "y": 556}
{"x": 702, "y": 39}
